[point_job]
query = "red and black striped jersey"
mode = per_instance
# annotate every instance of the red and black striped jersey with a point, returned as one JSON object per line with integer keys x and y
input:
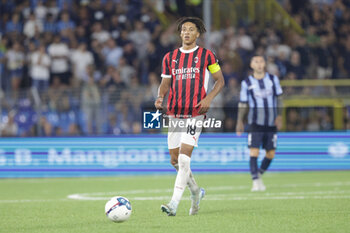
{"x": 188, "y": 70}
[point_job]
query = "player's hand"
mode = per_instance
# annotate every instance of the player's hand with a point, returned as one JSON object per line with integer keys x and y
{"x": 159, "y": 103}
{"x": 278, "y": 122}
{"x": 239, "y": 128}
{"x": 203, "y": 105}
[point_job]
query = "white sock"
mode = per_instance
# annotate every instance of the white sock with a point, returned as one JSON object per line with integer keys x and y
{"x": 181, "y": 178}
{"x": 191, "y": 183}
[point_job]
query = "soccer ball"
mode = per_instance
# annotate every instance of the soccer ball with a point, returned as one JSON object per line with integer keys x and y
{"x": 118, "y": 209}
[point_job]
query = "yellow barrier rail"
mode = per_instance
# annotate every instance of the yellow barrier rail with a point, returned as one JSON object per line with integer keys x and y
{"x": 334, "y": 99}
{"x": 315, "y": 82}
{"x": 336, "y": 104}
{"x": 165, "y": 22}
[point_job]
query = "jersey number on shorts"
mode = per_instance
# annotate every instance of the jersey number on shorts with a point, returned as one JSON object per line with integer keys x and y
{"x": 274, "y": 140}
{"x": 191, "y": 130}
{"x": 249, "y": 139}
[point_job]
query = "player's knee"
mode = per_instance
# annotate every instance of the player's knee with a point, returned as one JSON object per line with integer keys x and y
{"x": 254, "y": 152}
{"x": 173, "y": 161}
{"x": 186, "y": 149}
{"x": 174, "y": 154}
{"x": 270, "y": 154}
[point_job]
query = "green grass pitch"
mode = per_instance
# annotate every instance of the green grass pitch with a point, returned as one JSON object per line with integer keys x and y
{"x": 293, "y": 202}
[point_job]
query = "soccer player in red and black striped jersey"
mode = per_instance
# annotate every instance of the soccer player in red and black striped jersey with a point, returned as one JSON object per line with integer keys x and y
{"x": 185, "y": 71}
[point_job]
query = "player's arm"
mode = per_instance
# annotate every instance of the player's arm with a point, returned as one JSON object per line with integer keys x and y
{"x": 162, "y": 91}
{"x": 278, "y": 120}
{"x": 204, "y": 104}
{"x": 242, "y": 111}
{"x": 243, "y": 107}
{"x": 279, "y": 92}
{"x": 165, "y": 83}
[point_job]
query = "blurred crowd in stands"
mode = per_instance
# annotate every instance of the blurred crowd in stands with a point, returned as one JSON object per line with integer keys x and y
{"x": 71, "y": 68}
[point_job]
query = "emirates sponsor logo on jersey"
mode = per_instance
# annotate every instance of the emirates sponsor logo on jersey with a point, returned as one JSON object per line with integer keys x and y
{"x": 185, "y": 73}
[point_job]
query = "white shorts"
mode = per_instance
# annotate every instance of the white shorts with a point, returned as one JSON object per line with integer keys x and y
{"x": 184, "y": 131}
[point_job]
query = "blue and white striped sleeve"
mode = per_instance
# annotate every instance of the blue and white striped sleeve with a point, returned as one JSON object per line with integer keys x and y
{"x": 243, "y": 96}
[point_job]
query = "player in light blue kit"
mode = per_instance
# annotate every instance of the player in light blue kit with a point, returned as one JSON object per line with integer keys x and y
{"x": 261, "y": 92}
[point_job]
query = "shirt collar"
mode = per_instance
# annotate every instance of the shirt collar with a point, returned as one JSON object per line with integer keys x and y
{"x": 188, "y": 51}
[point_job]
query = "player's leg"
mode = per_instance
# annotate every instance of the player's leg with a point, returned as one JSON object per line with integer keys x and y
{"x": 183, "y": 173}
{"x": 192, "y": 185}
{"x": 253, "y": 163}
{"x": 182, "y": 177}
{"x": 174, "y": 155}
{"x": 197, "y": 193}
{"x": 254, "y": 142}
{"x": 270, "y": 154}
{"x": 189, "y": 139}
{"x": 174, "y": 142}
{"x": 253, "y": 166}
{"x": 269, "y": 145}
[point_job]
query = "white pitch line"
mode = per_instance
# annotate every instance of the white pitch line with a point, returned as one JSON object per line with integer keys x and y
{"x": 207, "y": 198}
{"x": 219, "y": 197}
{"x": 286, "y": 193}
{"x": 246, "y": 196}
{"x": 219, "y": 188}
{"x": 34, "y": 200}
{"x": 225, "y": 198}
{"x": 97, "y": 196}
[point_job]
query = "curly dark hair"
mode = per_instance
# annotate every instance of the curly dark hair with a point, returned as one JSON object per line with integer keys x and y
{"x": 197, "y": 21}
